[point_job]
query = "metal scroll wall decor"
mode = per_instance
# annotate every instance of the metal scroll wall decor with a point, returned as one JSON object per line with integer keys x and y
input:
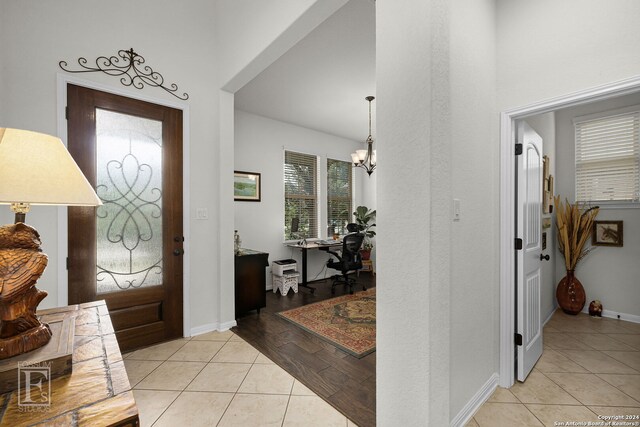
{"x": 130, "y": 67}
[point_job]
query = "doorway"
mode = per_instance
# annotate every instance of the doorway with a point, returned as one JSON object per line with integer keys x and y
{"x": 508, "y": 233}
{"x": 129, "y": 250}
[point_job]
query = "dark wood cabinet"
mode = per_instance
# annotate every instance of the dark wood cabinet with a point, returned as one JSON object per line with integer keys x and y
{"x": 250, "y": 281}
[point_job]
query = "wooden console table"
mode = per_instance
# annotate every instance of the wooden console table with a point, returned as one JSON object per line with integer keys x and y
{"x": 97, "y": 393}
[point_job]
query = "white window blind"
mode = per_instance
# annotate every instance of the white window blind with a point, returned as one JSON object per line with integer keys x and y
{"x": 607, "y": 158}
{"x": 339, "y": 186}
{"x": 300, "y": 195}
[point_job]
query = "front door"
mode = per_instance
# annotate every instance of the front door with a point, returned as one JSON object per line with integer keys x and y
{"x": 129, "y": 250}
{"x": 529, "y": 222}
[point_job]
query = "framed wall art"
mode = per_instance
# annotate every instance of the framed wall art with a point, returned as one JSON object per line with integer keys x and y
{"x": 607, "y": 233}
{"x": 246, "y": 186}
{"x": 547, "y": 186}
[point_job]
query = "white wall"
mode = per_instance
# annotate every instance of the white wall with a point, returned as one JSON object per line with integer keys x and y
{"x": 609, "y": 274}
{"x": 36, "y": 35}
{"x": 545, "y": 126}
{"x": 252, "y": 34}
{"x": 266, "y": 19}
{"x": 4, "y": 35}
{"x": 412, "y": 351}
{"x": 560, "y": 53}
{"x": 474, "y": 160}
{"x": 436, "y": 127}
{"x": 262, "y": 42}
{"x": 548, "y": 48}
{"x": 182, "y": 44}
{"x": 544, "y": 49}
{"x": 259, "y": 143}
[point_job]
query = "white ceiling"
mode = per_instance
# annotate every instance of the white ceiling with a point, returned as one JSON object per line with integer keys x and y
{"x": 322, "y": 81}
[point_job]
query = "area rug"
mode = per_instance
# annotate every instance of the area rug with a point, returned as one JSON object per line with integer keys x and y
{"x": 348, "y": 322}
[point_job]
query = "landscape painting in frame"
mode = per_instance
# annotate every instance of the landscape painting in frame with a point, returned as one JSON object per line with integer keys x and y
{"x": 246, "y": 186}
{"x": 607, "y": 233}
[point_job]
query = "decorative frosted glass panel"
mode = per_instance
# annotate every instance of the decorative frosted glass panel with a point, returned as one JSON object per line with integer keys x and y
{"x": 534, "y": 194}
{"x": 129, "y": 183}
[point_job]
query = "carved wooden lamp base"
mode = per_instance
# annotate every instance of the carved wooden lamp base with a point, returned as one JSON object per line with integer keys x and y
{"x": 21, "y": 265}
{"x": 34, "y": 169}
{"x": 26, "y": 341}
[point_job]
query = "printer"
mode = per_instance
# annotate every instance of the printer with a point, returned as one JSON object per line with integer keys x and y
{"x": 284, "y": 267}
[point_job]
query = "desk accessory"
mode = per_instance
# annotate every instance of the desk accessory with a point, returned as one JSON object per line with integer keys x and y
{"x": 237, "y": 242}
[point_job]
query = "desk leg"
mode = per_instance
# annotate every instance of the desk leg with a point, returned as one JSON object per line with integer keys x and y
{"x": 304, "y": 271}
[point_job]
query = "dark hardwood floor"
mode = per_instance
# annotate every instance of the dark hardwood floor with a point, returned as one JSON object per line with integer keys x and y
{"x": 344, "y": 381}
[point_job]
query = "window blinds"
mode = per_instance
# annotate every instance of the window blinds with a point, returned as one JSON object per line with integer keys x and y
{"x": 300, "y": 195}
{"x": 339, "y": 195}
{"x": 607, "y": 158}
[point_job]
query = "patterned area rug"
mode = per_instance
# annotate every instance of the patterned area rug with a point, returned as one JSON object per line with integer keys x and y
{"x": 348, "y": 322}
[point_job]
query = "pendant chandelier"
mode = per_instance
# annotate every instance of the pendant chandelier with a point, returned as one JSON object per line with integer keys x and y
{"x": 366, "y": 159}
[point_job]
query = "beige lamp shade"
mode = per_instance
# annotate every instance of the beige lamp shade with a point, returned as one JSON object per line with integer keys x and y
{"x": 36, "y": 168}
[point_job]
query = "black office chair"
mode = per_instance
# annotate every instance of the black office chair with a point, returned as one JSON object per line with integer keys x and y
{"x": 353, "y": 227}
{"x": 348, "y": 260}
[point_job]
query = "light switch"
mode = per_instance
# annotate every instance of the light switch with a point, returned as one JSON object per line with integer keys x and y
{"x": 202, "y": 213}
{"x": 456, "y": 209}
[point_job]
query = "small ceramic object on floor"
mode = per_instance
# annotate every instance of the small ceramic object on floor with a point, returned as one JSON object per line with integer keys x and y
{"x": 595, "y": 309}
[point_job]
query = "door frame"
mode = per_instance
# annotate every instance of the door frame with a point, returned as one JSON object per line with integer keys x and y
{"x": 63, "y": 249}
{"x": 508, "y": 130}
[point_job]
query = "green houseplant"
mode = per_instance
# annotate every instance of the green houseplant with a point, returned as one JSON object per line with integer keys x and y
{"x": 364, "y": 219}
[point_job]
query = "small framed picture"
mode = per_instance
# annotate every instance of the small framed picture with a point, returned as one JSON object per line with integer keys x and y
{"x": 246, "y": 186}
{"x": 607, "y": 233}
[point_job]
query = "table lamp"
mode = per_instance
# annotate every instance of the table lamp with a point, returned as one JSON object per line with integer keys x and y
{"x": 34, "y": 169}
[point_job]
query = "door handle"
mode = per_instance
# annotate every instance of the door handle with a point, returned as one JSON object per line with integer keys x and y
{"x": 178, "y": 252}
{"x": 544, "y": 257}
{"x": 178, "y": 239}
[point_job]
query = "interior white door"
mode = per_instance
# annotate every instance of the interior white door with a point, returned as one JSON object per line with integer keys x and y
{"x": 529, "y": 220}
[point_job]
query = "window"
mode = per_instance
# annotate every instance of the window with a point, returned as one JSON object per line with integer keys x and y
{"x": 338, "y": 195}
{"x": 607, "y": 158}
{"x": 300, "y": 195}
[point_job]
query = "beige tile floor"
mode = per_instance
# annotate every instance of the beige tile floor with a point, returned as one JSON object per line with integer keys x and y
{"x": 589, "y": 367}
{"x": 217, "y": 379}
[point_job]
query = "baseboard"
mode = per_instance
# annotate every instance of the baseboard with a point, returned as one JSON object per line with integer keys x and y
{"x": 476, "y": 402}
{"x": 549, "y": 316}
{"x": 614, "y": 315}
{"x": 210, "y": 327}
{"x": 227, "y": 325}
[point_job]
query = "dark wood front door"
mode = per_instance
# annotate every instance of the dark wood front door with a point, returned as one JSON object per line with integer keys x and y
{"x": 129, "y": 250}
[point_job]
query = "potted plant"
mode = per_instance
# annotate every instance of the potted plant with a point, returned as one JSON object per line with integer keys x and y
{"x": 364, "y": 219}
{"x": 574, "y": 225}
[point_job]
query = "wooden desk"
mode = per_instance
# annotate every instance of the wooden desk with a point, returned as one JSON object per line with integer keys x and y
{"x": 251, "y": 282}
{"x": 97, "y": 393}
{"x": 311, "y": 245}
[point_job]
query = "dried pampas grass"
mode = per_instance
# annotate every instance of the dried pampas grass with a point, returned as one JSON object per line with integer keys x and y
{"x": 574, "y": 224}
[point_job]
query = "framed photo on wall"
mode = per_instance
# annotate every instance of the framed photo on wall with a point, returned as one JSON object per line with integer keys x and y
{"x": 607, "y": 233}
{"x": 246, "y": 186}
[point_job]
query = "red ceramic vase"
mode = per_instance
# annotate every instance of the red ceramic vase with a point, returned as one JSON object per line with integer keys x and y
{"x": 570, "y": 294}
